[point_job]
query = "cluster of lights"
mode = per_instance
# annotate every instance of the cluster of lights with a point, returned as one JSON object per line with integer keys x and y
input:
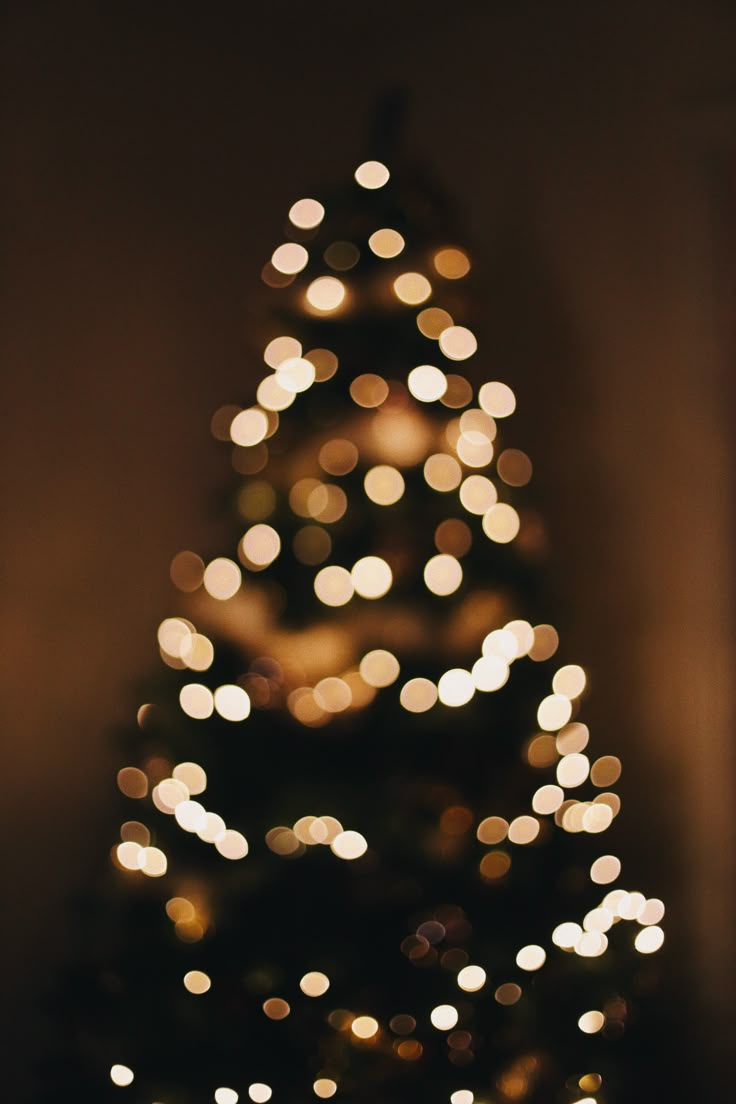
{"x": 392, "y": 427}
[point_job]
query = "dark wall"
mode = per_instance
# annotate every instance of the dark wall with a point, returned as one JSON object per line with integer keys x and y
{"x": 151, "y": 153}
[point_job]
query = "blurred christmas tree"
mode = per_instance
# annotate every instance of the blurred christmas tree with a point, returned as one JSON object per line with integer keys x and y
{"x": 361, "y": 851}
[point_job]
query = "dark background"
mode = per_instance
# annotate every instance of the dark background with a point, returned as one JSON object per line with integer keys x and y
{"x": 151, "y": 152}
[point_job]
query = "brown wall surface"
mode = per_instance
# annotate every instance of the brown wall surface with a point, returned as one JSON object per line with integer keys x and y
{"x": 151, "y": 152}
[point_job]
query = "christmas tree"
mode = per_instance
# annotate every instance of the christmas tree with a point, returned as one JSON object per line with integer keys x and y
{"x": 363, "y": 843}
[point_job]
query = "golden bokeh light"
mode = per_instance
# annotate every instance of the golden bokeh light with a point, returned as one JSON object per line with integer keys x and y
{"x": 272, "y": 396}
{"x": 306, "y": 213}
{"x": 442, "y": 472}
{"x": 276, "y": 1009}
{"x": 349, "y": 845}
{"x": 364, "y": 1027}
{"x": 494, "y": 865}
{"x": 314, "y": 984}
{"x": 492, "y": 830}
{"x": 501, "y": 523}
{"x": 121, "y": 1075}
{"x": 547, "y": 799}
{"x": 573, "y": 769}
{"x": 280, "y": 349}
{"x": 260, "y": 545}
{"x": 257, "y": 500}
{"x": 289, "y": 258}
{"x": 418, "y": 695}
{"x": 197, "y": 982}
{"x": 222, "y": 578}
{"x": 591, "y": 1022}
{"x": 514, "y": 467}
{"x": 453, "y": 264}
{"x": 490, "y": 673}
{"x": 372, "y": 175}
{"x": 132, "y": 782}
{"x": 232, "y": 702}
{"x": 471, "y": 978}
{"x": 432, "y": 321}
{"x": 338, "y": 456}
{"x": 379, "y": 668}
{"x": 259, "y": 1092}
{"x": 232, "y": 845}
{"x": 605, "y": 771}
{"x": 325, "y": 294}
{"x": 384, "y": 485}
{"x": 224, "y": 1095}
{"x": 427, "y": 383}
{"x": 197, "y": 701}
{"x": 295, "y": 374}
{"x": 453, "y": 537}
{"x": 462, "y": 1096}
{"x": 443, "y": 574}
{"x": 524, "y": 829}
{"x": 477, "y": 494}
{"x": 372, "y": 577}
{"x": 412, "y": 288}
{"x": 572, "y": 737}
{"x": 386, "y": 243}
{"x": 546, "y": 643}
{"x": 508, "y": 994}
{"x": 333, "y": 586}
{"x": 569, "y": 681}
{"x": 325, "y": 363}
{"x": 554, "y": 712}
{"x": 444, "y": 1017}
{"x": 567, "y": 935}
{"x": 455, "y": 687}
{"x": 532, "y": 957}
{"x": 333, "y": 695}
{"x": 497, "y": 399}
{"x": 197, "y": 652}
{"x": 605, "y": 870}
{"x": 369, "y": 390}
{"x": 324, "y": 1087}
{"x": 458, "y": 343}
{"x": 187, "y": 571}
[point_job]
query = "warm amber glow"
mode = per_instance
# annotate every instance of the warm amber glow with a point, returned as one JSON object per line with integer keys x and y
{"x": 523, "y": 829}
{"x": 226, "y": 1096}
{"x": 306, "y": 213}
{"x": 605, "y": 771}
{"x": 554, "y": 712}
{"x": 349, "y": 845}
{"x": 197, "y": 982}
{"x": 314, "y": 984}
{"x": 379, "y": 668}
{"x": 453, "y": 264}
{"x": 276, "y": 1009}
{"x": 442, "y": 472}
{"x": 324, "y": 1087}
{"x": 548, "y": 799}
{"x": 187, "y": 571}
{"x": 384, "y": 485}
{"x": 295, "y": 374}
{"x": 492, "y": 830}
{"x": 427, "y": 383}
{"x": 444, "y": 1017}
{"x": 259, "y": 1093}
{"x": 508, "y": 994}
{"x": 222, "y": 579}
{"x": 289, "y": 258}
{"x": 333, "y": 586}
{"x": 514, "y": 467}
{"x": 606, "y": 869}
{"x": 364, "y": 1027}
{"x": 501, "y": 523}
{"x": 477, "y": 494}
{"x": 132, "y": 782}
{"x": 371, "y": 577}
{"x": 369, "y": 390}
{"x": 418, "y": 695}
{"x": 261, "y": 545}
{"x": 338, "y": 457}
{"x": 432, "y": 321}
{"x": 386, "y": 243}
{"x": 443, "y": 574}
{"x": 531, "y": 957}
{"x": 372, "y": 174}
{"x": 121, "y": 1075}
{"x": 232, "y": 845}
{"x": 280, "y": 349}
{"x": 497, "y": 399}
{"x": 312, "y": 545}
{"x": 412, "y": 288}
{"x": 546, "y": 642}
{"x": 196, "y": 701}
{"x": 458, "y": 343}
{"x": 569, "y": 681}
{"x": 572, "y": 770}
{"x": 490, "y": 673}
{"x": 591, "y": 1022}
{"x": 455, "y": 687}
{"x": 325, "y": 294}
{"x": 232, "y": 702}
{"x": 471, "y": 978}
